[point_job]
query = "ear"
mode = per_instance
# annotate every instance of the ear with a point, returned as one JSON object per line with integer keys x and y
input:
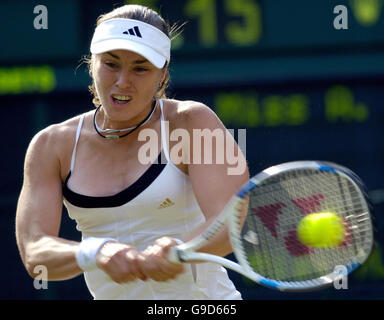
{"x": 164, "y": 73}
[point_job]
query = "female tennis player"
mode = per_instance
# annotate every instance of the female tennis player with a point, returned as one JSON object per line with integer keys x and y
{"x": 129, "y": 211}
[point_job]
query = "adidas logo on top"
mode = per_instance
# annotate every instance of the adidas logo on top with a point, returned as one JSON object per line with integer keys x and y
{"x": 165, "y": 204}
{"x": 133, "y": 32}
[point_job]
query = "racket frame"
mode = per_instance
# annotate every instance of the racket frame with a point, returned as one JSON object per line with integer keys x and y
{"x": 230, "y": 216}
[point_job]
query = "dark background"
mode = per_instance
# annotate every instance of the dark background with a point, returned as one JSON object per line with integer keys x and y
{"x": 302, "y": 89}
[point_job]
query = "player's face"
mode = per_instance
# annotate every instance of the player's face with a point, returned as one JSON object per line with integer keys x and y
{"x": 126, "y": 83}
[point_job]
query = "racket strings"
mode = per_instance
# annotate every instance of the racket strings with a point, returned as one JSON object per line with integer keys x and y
{"x": 276, "y": 207}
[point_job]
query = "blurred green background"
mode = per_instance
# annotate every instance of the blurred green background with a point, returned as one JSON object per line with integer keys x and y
{"x": 303, "y": 89}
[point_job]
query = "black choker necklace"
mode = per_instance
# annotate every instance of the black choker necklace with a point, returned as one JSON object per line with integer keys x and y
{"x": 109, "y": 132}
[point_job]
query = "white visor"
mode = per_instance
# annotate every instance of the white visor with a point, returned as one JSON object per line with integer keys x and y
{"x": 132, "y": 35}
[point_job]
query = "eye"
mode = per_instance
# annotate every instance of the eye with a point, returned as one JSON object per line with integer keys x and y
{"x": 111, "y": 65}
{"x": 141, "y": 69}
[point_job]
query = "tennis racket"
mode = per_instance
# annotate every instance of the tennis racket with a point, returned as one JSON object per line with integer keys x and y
{"x": 263, "y": 216}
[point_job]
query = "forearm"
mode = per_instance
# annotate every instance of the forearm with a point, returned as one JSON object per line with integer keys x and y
{"x": 220, "y": 245}
{"x": 58, "y": 255}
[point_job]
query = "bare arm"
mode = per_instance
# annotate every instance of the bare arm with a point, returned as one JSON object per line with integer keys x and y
{"x": 214, "y": 183}
{"x": 38, "y": 219}
{"x": 39, "y": 210}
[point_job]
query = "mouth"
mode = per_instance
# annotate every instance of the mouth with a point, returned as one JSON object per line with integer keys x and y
{"x": 120, "y": 99}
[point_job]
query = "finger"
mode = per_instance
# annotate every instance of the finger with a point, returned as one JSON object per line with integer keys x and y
{"x": 151, "y": 268}
{"x": 125, "y": 279}
{"x": 166, "y": 242}
{"x": 167, "y": 268}
{"x": 171, "y": 268}
{"x": 157, "y": 266}
{"x": 135, "y": 260}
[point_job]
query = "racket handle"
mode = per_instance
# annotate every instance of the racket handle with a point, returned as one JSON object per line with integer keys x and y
{"x": 173, "y": 255}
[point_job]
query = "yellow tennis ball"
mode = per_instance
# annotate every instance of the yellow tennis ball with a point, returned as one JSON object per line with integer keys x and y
{"x": 321, "y": 230}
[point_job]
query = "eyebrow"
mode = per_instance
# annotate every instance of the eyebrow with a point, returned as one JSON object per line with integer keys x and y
{"x": 139, "y": 61}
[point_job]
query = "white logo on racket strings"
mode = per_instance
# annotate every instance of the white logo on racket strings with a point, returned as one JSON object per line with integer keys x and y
{"x": 251, "y": 237}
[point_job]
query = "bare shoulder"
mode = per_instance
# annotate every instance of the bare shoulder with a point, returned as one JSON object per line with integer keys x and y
{"x": 53, "y": 143}
{"x": 55, "y": 135}
{"x": 191, "y": 113}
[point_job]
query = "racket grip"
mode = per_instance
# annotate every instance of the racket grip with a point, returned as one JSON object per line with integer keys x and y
{"x": 173, "y": 255}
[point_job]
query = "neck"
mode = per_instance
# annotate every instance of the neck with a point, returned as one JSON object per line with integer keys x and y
{"x": 111, "y": 133}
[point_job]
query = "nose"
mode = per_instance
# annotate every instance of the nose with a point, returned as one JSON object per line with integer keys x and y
{"x": 124, "y": 79}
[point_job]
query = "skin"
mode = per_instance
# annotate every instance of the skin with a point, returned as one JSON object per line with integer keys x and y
{"x": 115, "y": 162}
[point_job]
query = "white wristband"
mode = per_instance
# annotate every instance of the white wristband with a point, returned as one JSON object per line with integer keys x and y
{"x": 87, "y": 251}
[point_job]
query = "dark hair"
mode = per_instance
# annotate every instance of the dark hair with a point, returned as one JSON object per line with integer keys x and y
{"x": 144, "y": 14}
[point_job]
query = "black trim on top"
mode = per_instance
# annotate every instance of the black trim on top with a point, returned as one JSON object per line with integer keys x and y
{"x": 118, "y": 199}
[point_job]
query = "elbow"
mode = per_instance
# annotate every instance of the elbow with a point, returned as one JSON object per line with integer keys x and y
{"x": 32, "y": 265}
{"x": 38, "y": 272}
{"x": 27, "y": 260}
{"x": 30, "y": 270}
{"x": 32, "y": 260}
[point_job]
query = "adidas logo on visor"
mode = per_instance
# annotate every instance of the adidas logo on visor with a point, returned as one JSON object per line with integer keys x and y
{"x": 133, "y": 32}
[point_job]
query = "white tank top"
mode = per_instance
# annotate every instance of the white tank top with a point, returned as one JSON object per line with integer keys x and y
{"x": 160, "y": 203}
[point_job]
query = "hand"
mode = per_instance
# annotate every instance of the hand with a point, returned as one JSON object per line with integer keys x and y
{"x": 121, "y": 262}
{"x": 155, "y": 265}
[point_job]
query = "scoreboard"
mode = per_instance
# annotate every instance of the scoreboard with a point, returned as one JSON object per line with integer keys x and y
{"x": 303, "y": 88}
{"x": 222, "y": 42}
{"x": 246, "y": 27}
